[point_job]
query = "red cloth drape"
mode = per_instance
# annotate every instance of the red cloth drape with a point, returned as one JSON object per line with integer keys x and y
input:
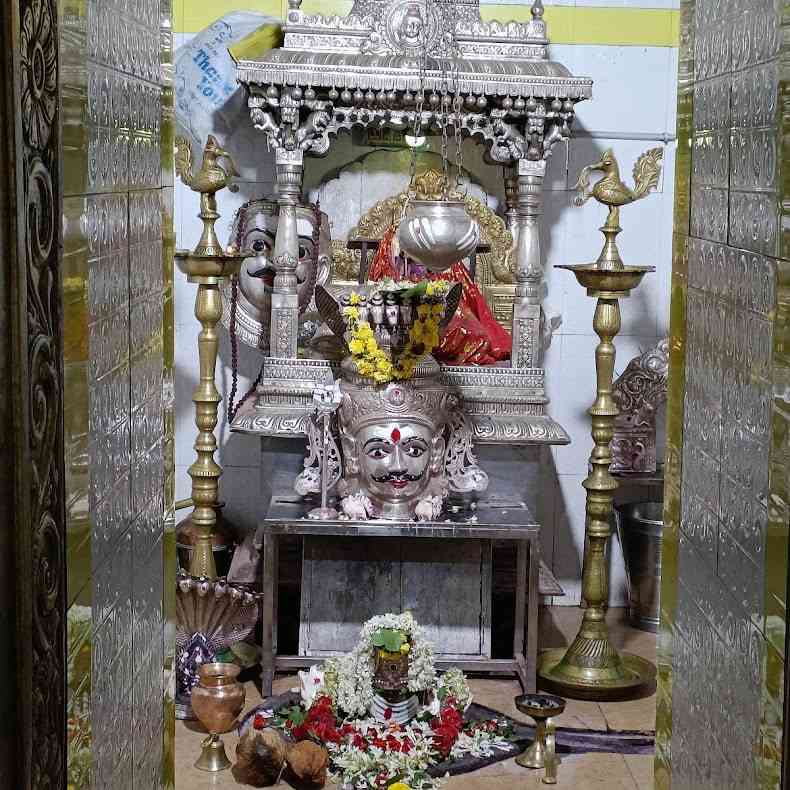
{"x": 473, "y": 336}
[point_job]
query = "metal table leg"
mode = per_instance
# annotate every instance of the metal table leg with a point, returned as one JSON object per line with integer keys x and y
{"x": 520, "y": 611}
{"x": 269, "y": 616}
{"x": 532, "y": 614}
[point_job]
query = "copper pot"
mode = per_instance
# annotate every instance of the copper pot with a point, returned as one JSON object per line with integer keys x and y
{"x": 218, "y": 698}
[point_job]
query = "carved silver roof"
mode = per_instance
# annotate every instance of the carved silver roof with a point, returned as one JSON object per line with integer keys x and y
{"x": 380, "y": 46}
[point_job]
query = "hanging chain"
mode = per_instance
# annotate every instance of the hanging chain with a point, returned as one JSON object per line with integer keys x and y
{"x": 459, "y": 141}
{"x": 443, "y": 123}
{"x": 418, "y": 110}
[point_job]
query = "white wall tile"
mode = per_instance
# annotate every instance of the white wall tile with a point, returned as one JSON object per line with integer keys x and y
{"x": 629, "y": 86}
{"x": 186, "y": 379}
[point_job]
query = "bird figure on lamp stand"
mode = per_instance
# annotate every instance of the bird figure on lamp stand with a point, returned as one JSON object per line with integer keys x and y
{"x": 610, "y": 191}
{"x": 210, "y": 179}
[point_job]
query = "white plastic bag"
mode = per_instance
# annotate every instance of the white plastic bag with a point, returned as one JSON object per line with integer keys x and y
{"x": 208, "y": 99}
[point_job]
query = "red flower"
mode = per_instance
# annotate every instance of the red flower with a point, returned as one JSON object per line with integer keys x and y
{"x": 371, "y": 733}
{"x": 259, "y": 722}
{"x": 393, "y": 744}
{"x": 387, "y": 714}
{"x": 406, "y": 746}
{"x": 300, "y": 732}
{"x": 452, "y": 718}
{"x": 359, "y": 742}
{"x": 348, "y": 729}
{"x": 444, "y": 738}
{"x": 380, "y": 744}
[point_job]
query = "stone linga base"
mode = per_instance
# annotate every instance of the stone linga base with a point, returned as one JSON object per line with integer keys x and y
{"x": 398, "y": 712}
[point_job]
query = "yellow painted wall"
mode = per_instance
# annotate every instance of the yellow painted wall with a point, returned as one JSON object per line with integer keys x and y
{"x": 616, "y": 26}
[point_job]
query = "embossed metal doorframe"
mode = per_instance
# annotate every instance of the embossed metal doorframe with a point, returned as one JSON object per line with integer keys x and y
{"x": 31, "y": 245}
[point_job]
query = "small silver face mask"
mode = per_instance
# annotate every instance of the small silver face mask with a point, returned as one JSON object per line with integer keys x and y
{"x": 254, "y": 229}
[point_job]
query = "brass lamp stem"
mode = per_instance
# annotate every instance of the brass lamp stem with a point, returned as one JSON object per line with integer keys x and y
{"x": 205, "y": 471}
{"x": 610, "y": 254}
{"x": 209, "y": 243}
{"x": 592, "y": 668}
{"x": 591, "y": 648}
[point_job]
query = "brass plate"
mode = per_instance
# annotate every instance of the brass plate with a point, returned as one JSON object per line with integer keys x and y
{"x": 640, "y": 679}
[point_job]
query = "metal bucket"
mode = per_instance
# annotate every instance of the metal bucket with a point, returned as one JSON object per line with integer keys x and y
{"x": 640, "y": 526}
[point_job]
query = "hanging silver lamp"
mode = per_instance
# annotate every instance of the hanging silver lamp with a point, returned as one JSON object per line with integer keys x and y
{"x": 437, "y": 233}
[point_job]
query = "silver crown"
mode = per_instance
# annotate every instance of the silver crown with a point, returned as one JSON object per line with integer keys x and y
{"x": 424, "y": 398}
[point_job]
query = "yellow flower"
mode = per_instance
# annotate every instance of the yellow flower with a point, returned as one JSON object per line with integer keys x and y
{"x": 416, "y": 334}
{"x": 430, "y": 289}
{"x": 437, "y": 311}
{"x": 364, "y": 331}
{"x": 405, "y": 369}
{"x": 384, "y": 366}
{"x": 381, "y": 378}
{"x": 371, "y": 346}
{"x": 355, "y": 298}
{"x": 356, "y": 346}
{"x": 431, "y": 339}
{"x": 365, "y": 368}
{"x": 405, "y": 647}
{"x": 398, "y": 786}
{"x": 351, "y": 312}
{"x": 423, "y": 310}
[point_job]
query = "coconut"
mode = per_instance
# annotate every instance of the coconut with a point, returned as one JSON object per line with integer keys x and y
{"x": 260, "y": 757}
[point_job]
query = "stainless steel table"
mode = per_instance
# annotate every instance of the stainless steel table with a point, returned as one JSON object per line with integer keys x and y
{"x": 491, "y": 521}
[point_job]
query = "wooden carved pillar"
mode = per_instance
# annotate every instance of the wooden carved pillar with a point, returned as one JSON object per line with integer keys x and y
{"x": 285, "y": 300}
{"x": 31, "y": 365}
{"x": 528, "y": 198}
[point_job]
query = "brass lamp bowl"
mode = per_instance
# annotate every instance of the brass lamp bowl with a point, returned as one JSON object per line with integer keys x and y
{"x": 209, "y": 266}
{"x": 540, "y": 706}
{"x": 608, "y": 283}
{"x": 438, "y": 233}
{"x": 541, "y": 754}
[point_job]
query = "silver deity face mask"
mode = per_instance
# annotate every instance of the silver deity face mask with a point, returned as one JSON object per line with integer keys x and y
{"x": 393, "y": 440}
{"x": 395, "y": 460}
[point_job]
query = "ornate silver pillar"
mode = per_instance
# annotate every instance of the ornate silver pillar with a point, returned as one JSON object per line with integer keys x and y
{"x": 529, "y": 266}
{"x": 285, "y": 300}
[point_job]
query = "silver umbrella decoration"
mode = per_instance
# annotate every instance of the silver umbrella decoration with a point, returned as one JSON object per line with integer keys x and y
{"x": 211, "y": 615}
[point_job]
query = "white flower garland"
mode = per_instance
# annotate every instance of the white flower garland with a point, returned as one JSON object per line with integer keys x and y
{"x": 349, "y": 679}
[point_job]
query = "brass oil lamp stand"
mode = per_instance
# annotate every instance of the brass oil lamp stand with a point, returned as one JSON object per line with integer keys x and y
{"x": 592, "y": 668}
{"x": 206, "y": 266}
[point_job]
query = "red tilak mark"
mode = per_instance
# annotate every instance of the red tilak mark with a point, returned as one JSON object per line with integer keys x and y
{"x": 395, "y": 435}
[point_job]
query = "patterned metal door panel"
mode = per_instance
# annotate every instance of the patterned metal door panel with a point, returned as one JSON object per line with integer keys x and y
{"x": 722, "y": 645}
{"x": 117, "y": 219}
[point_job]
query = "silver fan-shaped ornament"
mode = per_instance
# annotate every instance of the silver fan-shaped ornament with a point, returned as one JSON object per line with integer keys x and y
{"x": 211, "y": 615}
{"x": 438, "y": 233}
